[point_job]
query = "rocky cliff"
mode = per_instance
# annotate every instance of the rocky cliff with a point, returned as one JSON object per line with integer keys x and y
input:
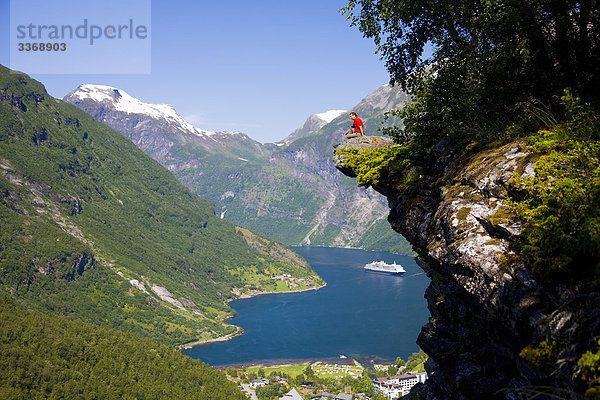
{"x": 489, "y": 311}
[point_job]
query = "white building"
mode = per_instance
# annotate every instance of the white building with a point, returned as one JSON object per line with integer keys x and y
{"x": 258, "y": 382}
{"x": 397, "y": 386}
{"x": 292, "y": 395}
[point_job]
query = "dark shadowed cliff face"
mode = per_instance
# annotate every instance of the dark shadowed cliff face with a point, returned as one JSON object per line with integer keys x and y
{"x": 486, "y": 309}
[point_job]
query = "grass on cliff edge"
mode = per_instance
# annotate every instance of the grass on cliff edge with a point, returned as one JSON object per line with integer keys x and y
{"x": 560, "y": 205}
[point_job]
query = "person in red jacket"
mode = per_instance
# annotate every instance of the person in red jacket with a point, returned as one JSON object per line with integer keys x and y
{"x": 357, "y": 129}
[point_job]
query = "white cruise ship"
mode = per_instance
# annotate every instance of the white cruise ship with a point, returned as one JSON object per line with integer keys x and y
{"x": 383, "y": 268}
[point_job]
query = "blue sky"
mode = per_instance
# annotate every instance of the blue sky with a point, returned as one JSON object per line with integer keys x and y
{"x": 260, "y": 67}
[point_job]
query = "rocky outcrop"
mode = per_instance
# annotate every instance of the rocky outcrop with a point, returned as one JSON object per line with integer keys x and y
{"x": 485, "y": 307}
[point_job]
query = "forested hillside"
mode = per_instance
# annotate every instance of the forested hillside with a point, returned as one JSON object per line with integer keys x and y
{"x": 54, "y": 357}
{"x": 93, "y": 228}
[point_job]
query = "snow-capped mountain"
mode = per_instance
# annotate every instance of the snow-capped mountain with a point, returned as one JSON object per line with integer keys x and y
{"x": 155, "y": 128}
{"x": 330, "y": 115}
{"x": 120, "y": 100}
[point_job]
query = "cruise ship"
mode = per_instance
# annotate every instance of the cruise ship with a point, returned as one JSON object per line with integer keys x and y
{"x": 381, "y": 267}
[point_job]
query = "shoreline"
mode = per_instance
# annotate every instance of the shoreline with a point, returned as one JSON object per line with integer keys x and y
{"x": 191, "y": 345}
{"x": 286, "y": 362}
{"x": 350, "y": 248}
{"x": 249, "y": 296}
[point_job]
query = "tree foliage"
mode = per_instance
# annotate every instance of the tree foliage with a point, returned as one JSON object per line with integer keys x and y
{"x": 489, "y": 58}
{"x": 271, "y": 391}
{"x": 415, "y": 361}
{"x": 590, "y": 372}
{"x": 56, "y": 358}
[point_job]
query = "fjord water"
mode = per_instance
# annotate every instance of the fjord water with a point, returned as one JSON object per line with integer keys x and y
{"x": 358, "y": 314}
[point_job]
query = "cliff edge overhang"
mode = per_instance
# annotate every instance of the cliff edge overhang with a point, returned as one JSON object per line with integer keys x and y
{"x": 487, "y": 306}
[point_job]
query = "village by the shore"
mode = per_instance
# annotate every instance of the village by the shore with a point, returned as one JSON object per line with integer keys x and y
{"x": 343, "y": 379}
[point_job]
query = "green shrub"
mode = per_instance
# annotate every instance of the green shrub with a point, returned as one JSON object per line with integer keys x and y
{"x": 370, "y": 164}
{"x": 560, "y": 205}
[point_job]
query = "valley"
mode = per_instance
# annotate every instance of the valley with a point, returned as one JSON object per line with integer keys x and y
{"x": 288, "y": 191}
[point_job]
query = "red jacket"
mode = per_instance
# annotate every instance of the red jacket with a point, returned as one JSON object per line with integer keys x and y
{"x": 357, "y": 124}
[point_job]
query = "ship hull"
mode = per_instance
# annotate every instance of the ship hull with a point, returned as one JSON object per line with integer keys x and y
{"x": 373, "y": 271}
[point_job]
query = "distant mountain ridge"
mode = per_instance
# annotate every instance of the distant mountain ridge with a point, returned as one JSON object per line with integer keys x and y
{"x": 289, "y": 191}
{"x": 312, "y": 126}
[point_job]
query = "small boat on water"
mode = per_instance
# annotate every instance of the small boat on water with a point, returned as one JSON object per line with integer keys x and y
{"x": 380, "y": 267}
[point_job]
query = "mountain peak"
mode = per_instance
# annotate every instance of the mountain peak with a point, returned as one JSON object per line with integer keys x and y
{"x": 153, "y": 127}
{"x": 312, "y": 126}
{"x": 121, "y": 101}
{"x": 384, "y": 98}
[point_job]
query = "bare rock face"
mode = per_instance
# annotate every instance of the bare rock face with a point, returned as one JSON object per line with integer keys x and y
{"x": 485, "y": 308}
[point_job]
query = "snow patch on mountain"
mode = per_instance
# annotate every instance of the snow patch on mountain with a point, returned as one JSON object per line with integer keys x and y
{"x": 311, "y": 126}
{"x": 330, "y": 115}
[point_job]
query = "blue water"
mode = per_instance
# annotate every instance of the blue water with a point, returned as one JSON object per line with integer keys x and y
{"x": 358, "y": 314}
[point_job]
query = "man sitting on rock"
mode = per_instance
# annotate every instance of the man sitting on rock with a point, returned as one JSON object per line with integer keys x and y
{"x": 357, "y": 129}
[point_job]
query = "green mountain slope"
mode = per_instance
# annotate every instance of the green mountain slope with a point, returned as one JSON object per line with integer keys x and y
{"x": 336, "y": 212}
{"x": 50, "y": 357}
{"x": 297, "y": 196}
{"x": 93, "y": 228}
